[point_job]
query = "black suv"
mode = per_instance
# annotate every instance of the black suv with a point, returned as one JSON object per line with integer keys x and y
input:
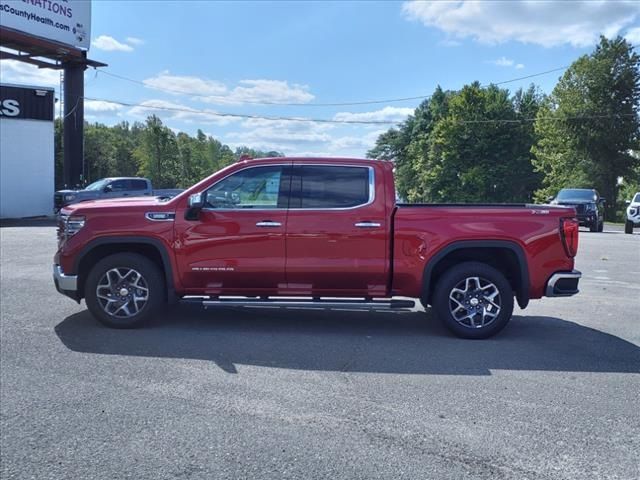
{"x": 588, "y": 204}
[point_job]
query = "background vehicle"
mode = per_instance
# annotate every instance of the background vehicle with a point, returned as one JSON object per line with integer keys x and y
{"x": 316, "y": 230}
{"x": 588, "y": 203}
{"x": 633, "y": 214}
{"x": 114, "y": 187}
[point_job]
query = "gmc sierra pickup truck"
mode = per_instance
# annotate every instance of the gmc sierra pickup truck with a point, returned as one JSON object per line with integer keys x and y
{"x": 320, "y": 232}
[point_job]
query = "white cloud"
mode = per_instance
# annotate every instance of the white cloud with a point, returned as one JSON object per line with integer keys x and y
{"x": 506, "y": 62}
{"x": 544, "y": 23}
{"x": 101, "y": 106}
{"x": 134, "y": 41}
{"x": 633, "y": 35}
{"x": 275, "y": 91}
{"x": 282, "y": 132}
{"x": 178, "y": 112}
{"x": 13, "y": 71}
{"x": 185, "y": 85}
{"x": 304, "y": 138}
{"x": 110, "y": 44}
{"x": 216, "y": 92}
{"x": 503, "y": 62}
{"x": 360, "y": 143}
{"x": 386, "y": 114}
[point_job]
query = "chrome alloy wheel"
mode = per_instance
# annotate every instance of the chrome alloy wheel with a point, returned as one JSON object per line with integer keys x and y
{"x": 122, "y": 292}
{"x": 474, "y": 302}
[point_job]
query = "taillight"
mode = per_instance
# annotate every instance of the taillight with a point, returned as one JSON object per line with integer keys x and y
{"x": 569, "y": 228}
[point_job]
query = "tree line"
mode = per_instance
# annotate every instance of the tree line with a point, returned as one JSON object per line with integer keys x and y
{"x": 150, "y": 149}
{"x": 484, "y": 144}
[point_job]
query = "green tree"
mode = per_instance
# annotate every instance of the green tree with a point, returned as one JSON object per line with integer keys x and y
{"x": 252, "y": 153}
{"x": 99, "y": 153}
{"x": 590, "y": 125}
{"x": 157, "y": 154}
{"x": 467, "y": 146}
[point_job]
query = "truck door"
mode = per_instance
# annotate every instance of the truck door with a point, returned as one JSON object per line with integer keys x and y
{"x": 336, "y": 232}
{"x": 237, "y": 245}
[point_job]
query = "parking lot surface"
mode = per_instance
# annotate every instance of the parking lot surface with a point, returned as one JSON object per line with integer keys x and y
{"x": 272, "y": 393}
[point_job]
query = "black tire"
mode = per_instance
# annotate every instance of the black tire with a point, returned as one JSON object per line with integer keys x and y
{"x": 593, "y": 227}
{"x": 601, "y": 226}
{"x": 442, "y": 304}
{"x": 628, "y": 227}
{"x": 152, "y": 280}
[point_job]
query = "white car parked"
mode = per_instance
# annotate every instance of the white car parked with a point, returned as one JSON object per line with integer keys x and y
{"x": 633, "y": 214}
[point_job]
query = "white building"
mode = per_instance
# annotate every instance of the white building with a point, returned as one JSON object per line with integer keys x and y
{"x": 26, "y": 151}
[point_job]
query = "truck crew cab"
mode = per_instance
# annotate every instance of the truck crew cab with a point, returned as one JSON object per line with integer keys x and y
{"x": 320, "y": 231}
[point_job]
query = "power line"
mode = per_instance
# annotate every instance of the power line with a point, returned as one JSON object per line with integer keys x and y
{"x": 355, "y": 122}
{"x": 326, "y": 104}
{"x": 245, "y": 116}
{"x": 297, "y": 104}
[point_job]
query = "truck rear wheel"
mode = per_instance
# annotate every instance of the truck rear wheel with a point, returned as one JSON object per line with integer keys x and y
{"x": 473, "y": 300}
{"x": 124, "y": 290}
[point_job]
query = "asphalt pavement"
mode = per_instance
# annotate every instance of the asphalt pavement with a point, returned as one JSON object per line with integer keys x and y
{"x": 272, "y": 393}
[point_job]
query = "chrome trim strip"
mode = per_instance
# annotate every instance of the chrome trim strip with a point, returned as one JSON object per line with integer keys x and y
{"x": 268, "y": 224}
{"x": 372, "y": 189}
{"x": 551, "y": 284}
{"x": 367, "y": 224}
{"x": 65, "y": 282}
{"x": 334, "y": 304}
{"x": 170, "y": 216}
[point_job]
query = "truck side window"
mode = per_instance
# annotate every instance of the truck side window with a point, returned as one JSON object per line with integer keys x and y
{"x": 138, "y": 184}
{"x": 119, "y": 185}
{"x": 317, "y": 186}
{"x": 257, "y": 188}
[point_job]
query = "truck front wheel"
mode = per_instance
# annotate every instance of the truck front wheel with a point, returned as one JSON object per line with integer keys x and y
{"x": 628, "y": 227}
{"x": 124, "y": 290}
{"x": 473, "y": 300}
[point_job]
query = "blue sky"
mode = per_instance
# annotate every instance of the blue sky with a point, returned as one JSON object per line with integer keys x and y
{"x": 233, "y": 57}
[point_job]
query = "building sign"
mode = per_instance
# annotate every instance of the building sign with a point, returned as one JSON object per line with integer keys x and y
{"x": 26, "y": 103}
{"x": 62, "y": 21}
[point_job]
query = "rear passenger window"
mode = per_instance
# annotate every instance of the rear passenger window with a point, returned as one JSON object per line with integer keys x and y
{"x": 119, "y": 185}
{"x": 318, "y": 186}
{"x": 138, "y": 184}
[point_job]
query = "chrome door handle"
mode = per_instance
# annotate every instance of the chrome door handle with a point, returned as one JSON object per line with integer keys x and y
{"x": 268, "y": 223}
{"x": 367, "y": 225}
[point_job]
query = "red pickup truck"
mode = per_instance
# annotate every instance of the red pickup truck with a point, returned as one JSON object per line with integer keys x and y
{"x": 320, "y": 231}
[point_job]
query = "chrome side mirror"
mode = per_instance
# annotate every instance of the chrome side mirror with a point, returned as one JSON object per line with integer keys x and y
{"x": 196, "y": 200}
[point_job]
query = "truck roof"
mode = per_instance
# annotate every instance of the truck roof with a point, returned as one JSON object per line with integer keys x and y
{"x": 315, "y": 159}
{"x": 126, "y": 178}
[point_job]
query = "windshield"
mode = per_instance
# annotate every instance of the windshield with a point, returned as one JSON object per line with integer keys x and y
{"x": 99, "y": 185}
{"x": 576, "y": 195}
{"x": 636, "y": 199}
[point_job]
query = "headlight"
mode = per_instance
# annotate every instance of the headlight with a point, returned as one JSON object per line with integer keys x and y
{"x": 74, "y": 224}
{"x": 69, "y": 225}
{"x": 68, "y": 198}
{"x": 591, "y": 207}
{"x": 632, "y": 211}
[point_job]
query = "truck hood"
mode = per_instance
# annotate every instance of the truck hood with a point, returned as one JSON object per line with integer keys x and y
{"x": 111, "y": 203}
